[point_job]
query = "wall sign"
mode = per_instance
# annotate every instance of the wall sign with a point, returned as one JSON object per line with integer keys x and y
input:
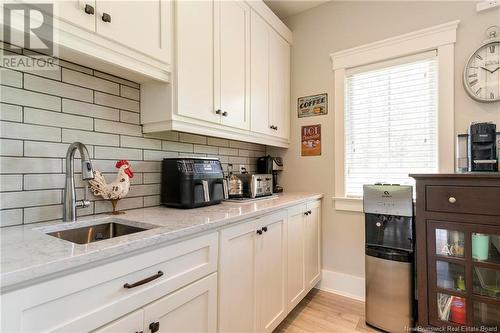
{"x": 311, "y": 140}
{"x": 315, "y": 105}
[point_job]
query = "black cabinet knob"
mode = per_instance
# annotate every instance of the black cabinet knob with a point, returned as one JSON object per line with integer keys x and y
{"x": 89, "y": 10}
{"x": 306, "y": 213}
{"x": 154, "y": 327}
{"x": 106, "y": 17}
{"x": 218, "y": 111}
{"x": 264, "y": 229}
{"x": 259, "y": 232}
{"x": 224, "y": 114}
{"x": 310, "y": 212}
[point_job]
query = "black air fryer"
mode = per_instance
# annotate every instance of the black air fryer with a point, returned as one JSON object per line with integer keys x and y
{"x": 192, "y": 182}
{"x": 482, "y": 147}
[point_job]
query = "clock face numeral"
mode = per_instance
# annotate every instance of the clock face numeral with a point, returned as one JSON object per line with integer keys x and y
{"x": 482, "y": 73}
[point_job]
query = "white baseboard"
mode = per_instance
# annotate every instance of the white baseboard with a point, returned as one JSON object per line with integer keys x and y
{"x": 343, "y": 284}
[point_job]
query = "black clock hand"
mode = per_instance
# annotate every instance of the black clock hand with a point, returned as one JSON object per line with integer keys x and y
{"x": 486, "y": 69}
{"x": 495, "y": 70}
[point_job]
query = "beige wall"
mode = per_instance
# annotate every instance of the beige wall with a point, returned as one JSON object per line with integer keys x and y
{"x": 340, "y": 25}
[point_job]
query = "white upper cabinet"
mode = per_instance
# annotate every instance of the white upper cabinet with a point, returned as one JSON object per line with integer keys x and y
{"x": 139, "y": 25}
{"x": 130, "y": 39}
{"x": 279, "y": 85}
{"x": 77, "y": 12}
{"x": 270, "y": 80}
{"x": 195, "y": 60}
{"x": 232, "y": 72}
{"x": 259, "y": 64}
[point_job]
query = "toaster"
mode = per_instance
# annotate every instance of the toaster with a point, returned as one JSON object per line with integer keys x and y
{"x": 192, "y": 182}
{"x": 256, "y": 185}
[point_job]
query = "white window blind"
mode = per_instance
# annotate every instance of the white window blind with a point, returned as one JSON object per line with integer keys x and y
{"x": 390, "y": 122}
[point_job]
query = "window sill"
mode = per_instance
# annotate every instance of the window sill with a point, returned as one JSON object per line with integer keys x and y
{"x": 348, "y": 204}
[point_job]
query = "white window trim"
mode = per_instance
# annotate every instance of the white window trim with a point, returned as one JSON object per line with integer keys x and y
{"x": 441, "y": 38}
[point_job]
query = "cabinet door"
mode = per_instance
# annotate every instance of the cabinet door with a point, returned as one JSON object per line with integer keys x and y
{"x": 259, "y": 75}
{"x": 131, "y": 323}
{"x": 139, "y": 25}
{"x": 313, "y": 244}
{"x": 232, "y": 47}
{"x": 271, "y": 271}
{"x": 296, "y": 279}
{"x": 279, "y": 85}
{"x": 190, "y": 309}
{"x": 195, "y": 60}
{"x": 72, "y": 11}
{"x": 237, "y": 279}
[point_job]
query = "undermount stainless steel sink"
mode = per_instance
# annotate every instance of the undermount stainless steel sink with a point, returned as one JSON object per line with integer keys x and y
{"x": 97, "y": 232}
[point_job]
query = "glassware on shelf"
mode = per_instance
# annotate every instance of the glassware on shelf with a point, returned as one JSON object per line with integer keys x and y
{"x": 486, "y": 282}
{"x": 449, "y": 243}
{"x": 486, "y": 247}
{"x": 450, "y": 275}
{"x": 486, "y": 315}
{"x": 451, "y": 308}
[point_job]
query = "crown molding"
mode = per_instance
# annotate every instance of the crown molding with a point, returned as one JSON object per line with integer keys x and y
{"x": 406, "y": 44}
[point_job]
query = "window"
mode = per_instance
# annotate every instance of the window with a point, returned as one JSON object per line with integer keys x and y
{"x": 390, "y": 122}
{"x": 394, "y": 111}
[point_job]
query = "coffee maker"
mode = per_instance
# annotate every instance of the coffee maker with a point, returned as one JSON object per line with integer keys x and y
{"x": 271, "y": 165}
{"x": 482, "y": 150}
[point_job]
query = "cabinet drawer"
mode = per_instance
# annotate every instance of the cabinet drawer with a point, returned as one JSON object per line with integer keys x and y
{"x": 463, "y": 199}
{"x": 83, "y": 301}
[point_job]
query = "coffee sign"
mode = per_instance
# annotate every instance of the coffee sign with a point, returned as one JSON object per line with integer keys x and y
{"x": 311, "y": 140}
{"x": 314, "y": 105}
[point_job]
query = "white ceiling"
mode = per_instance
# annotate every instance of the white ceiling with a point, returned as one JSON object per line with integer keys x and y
{"x": 287, "y": 8}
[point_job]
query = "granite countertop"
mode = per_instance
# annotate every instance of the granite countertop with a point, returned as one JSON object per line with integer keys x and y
{"x": 28, "y": 255}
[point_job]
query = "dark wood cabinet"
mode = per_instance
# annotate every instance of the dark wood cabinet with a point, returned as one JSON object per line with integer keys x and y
{"x": 458, "y": 250}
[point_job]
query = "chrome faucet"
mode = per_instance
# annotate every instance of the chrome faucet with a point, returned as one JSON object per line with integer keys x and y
{"x": 70, "y": 203}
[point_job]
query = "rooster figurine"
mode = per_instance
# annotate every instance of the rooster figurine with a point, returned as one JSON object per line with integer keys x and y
{"x": 115, "y": 190}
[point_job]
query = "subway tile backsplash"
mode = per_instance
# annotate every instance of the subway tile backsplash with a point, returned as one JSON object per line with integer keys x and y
{"x": 42, "y": 112}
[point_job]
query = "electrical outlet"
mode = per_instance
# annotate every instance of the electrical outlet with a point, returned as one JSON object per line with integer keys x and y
{"x": 243, "y": 168}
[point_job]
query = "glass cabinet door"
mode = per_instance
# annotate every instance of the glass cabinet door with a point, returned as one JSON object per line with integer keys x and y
{"x": 463, "y": 275}
{"x": 487, "y": 315}
{"x": 449, "y": 243}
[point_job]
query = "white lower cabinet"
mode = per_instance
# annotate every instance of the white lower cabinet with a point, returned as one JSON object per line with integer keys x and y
{"x": 191, "y": 309}
{"x": 252, "y": 275}
{"x": 131, "y": 323}
{"x": 247, "y": 276}
{"x": 304, "y": 251}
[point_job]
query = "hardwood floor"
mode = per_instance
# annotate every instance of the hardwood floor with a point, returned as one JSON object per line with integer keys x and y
{"x": 321, "y": 311}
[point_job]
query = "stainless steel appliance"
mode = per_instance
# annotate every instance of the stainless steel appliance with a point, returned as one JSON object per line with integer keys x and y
{"x": 271, "y": 165}
{"x": 389, "y": 254}
{"x": 482, "y": 150}
{"x": 256, "y": 185}
{"x": 192, "y": 182}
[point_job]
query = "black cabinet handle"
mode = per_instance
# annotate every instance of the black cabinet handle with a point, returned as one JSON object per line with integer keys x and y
{"x": 154, "y": 327}
{"x": 218, "y": 111}
{"x": 259, "y": 232}
{"x": 224, "y": 114}
{"x": 309, "y": 212}
{"x": 106, "y": 17}
{"x": 306, "y": 213}
{"x": 89, "y": 9}
{"x": 146, "y": 280}
{"x": 264, "y": 229}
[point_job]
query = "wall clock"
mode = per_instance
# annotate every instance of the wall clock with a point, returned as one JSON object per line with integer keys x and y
{"x": 482, "y": 70}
